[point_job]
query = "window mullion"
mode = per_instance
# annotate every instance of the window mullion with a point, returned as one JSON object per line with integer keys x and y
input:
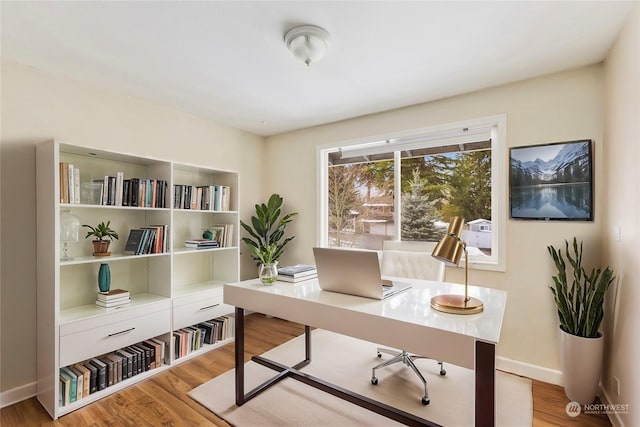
{"x": 397, "y": 194}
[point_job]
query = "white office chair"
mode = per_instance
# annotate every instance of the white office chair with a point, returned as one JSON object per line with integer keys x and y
{"x": 410, "y": 260}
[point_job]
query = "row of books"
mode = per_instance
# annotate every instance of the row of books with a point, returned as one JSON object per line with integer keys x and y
{"x": 69, "y": 183}
{"x": 147, "y": 240}
{"x": 193, "y": 338}
{"x": 202, "y": 197}
{"x": 82, "y": 379}
{"x": 113, "y": 298}
{"x": 136, "y": 192}
{"x": 297, "y": 273}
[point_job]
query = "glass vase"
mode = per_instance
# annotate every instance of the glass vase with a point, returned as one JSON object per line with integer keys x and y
{"x": 104, "y": 278}
{"x": 69, "y": 232}
{"x": 268, "y": 273}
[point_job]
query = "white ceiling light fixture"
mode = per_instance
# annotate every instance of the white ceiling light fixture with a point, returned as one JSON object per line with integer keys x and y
{"x": 308, "y": 43}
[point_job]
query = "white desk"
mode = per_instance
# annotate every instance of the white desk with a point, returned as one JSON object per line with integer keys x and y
{"x": 405, "y": 321}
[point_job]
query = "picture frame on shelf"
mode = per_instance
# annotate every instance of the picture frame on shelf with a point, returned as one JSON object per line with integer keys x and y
{"x": 552, "y": 182}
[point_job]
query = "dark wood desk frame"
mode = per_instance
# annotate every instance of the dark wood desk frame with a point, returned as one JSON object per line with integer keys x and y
{"x": 484, "y": 381}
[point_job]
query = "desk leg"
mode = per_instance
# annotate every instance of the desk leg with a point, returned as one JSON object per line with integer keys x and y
{"x": 485, "y": 405}
{"x": 307, "y": 343}
{"x": 239, "y": 355}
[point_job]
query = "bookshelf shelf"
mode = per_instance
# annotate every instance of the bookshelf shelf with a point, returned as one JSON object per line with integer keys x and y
{"x": 182, "y": 251}
{"x": 101, "y": 207}
{"x": 108, "y": 259}
{"x": 89, "y": 311}
{"x": 171, "y": 291}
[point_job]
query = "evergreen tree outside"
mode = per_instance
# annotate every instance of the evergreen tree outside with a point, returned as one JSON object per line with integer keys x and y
{"x": 470, "y": 187}
{"x": 418, "y": 213}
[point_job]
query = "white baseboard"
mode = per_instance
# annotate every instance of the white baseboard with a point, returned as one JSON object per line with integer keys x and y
{"x": 528, "y": 370}
{"x": 614, "y": 417}
{"x": 17, "y": 394}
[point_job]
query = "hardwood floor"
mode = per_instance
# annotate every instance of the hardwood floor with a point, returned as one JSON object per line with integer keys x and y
{"x": 163, "y": 399}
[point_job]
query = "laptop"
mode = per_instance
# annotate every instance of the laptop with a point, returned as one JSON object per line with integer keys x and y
{"x": 354, "y": 272}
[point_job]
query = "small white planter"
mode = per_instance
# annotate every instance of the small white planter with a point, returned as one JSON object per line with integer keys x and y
{"x": 581, "y": 364}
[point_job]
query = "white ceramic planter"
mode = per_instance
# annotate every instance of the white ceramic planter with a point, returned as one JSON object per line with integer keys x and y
{"x": 581, "y": 364}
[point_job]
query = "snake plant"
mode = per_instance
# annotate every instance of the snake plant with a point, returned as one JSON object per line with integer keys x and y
{"x": 580, "y": 303}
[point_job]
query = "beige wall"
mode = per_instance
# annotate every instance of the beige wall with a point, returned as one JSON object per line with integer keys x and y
{"x": 622, "y": 209}
{"x": 38, "y": 107}
{"x": 559, "y": 107}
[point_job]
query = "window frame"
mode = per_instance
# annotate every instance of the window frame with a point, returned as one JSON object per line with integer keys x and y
{"x": 498, "y": 129}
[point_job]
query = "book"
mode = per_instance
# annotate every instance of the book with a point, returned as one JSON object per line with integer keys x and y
{"x": 201, "y": 243}
{"x": 117, "y": 367}
{"x": 113, "y": 304}
{"x": 291, "y": 279}
{"x": 297, "y": 270}
{"x": 64, "y": 182}
{"x": 164, "y": 353}
{"x": 136, "y": 368}
{"x": 79, "y": 382}
{"x": 76, "y": 185}
{"x": 73, "y": 382}
{"x": 127, "y": 367}
{"x": 110, "y": 371}
{"x": 134, "y": 241}
{"x": 158, "y": 351}
{"x": 93, "y": 382}
{"x": 113, "y": 294}
{"x": 65, "y": 394}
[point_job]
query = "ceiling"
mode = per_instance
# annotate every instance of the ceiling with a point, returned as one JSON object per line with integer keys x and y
{"x": 226, "y": 60}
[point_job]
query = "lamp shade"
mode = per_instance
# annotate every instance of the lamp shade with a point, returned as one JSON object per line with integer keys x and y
{"x": 450, "y": 248}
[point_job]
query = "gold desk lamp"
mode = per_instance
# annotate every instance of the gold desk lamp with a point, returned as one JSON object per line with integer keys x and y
{"x": 449, "y": 250}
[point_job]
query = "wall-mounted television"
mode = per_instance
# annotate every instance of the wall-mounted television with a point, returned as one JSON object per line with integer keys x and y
{"x": 552, "y": 181}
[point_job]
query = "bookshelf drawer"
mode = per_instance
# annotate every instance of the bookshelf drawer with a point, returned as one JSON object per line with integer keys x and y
{"x": 99, "y": 340}
{"x": 201, "y": 296}
{"x": 199, "y": 311}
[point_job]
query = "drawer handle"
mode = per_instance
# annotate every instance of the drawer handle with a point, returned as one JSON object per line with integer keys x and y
{"x": 121, "y": 332}
{"x": 209, "y": 306}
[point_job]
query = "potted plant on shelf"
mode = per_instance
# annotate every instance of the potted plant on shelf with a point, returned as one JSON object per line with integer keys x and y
{"x": 267, "y": 240}
{"x": 101, "y": 233}
{"x": 580, "y": 304}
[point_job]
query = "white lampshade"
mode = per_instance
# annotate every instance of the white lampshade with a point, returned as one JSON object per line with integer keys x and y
{"x": 308, "y": 43}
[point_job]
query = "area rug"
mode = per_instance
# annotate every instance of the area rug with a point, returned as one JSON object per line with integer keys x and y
{"x": 347, "y": 362}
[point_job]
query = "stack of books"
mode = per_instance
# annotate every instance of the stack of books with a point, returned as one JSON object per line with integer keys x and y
{"x": 113, "y": 298}
{"x": 297, "y": 273}
{"x": 201, "y": 244}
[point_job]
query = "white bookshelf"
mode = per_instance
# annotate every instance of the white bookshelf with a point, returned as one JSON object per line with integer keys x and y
{"x": 167, "y": 289}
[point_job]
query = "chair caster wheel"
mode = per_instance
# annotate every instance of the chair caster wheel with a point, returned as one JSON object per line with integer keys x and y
{"x": 374, "y": 380}
{"x": 379, "y": 355}
{"x": 443, "y": 372}
{"x": 426, "y": 400}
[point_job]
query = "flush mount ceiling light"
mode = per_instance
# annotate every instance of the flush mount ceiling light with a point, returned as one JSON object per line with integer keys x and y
{"x": 308, "y": 43}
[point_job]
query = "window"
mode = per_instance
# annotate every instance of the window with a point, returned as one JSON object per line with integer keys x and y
{"x": 438, "y": 173}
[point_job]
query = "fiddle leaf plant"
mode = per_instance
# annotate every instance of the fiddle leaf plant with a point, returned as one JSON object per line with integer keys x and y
{"x": 267, "y": 229}
{"x": 580, "y": 303}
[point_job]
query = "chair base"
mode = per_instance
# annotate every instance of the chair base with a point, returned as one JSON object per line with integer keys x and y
{"x": 408, "y": 360}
